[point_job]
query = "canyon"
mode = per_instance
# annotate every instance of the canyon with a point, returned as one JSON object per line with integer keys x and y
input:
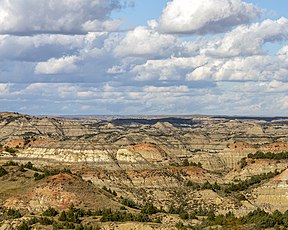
{"x": 146, "y": 159}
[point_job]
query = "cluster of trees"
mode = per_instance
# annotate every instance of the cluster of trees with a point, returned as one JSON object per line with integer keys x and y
{"x": 67, "y": 220}
{"x": 73, "y": 215}
{"x": 186, "y": 163}
{"x": 268, "y": 155}
{"x": 232, "y": 187}
{"x": 50, "y": 212}
{"x": 259, "y": 218}
{"x": 27, "y": 225}
{"x": 183, "y": 214}
{"x": 206, "y": 185}
{"x": 28, "y": 165}
{"x": 243, "y": 185}
{"x": 129, "y": 203}
{"x": 40, "y": 173}
{"x": 13, "y": 213}
{"x": 46, "y": 172}
{"x": 109, "y": 215}
{"x": 71, "y": 219}
{"x": 149, "y": 209}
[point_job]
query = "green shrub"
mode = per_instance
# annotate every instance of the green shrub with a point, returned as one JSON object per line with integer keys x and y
{"x": 14, "y": 213}
{"x": 50, "y": 212}
{"x": 128, "y": 202}
{"x": 206, "y": 185}
{"x": 38, "y": 176}
{"x": 11, "y": 163}
{"x": 268, "y": 155}
{"x": 108, "y": 215}
{"x": 62, "y": 216}
{"x": 24, "y": 226}
{"x": 184, "y": 215}
{"x": 10, "y": 150}
{"x": 149, "y": 208}
{"x": 3, "y": 172}
{"x": 192, "y": 185}
{"x": 45, "y": 221}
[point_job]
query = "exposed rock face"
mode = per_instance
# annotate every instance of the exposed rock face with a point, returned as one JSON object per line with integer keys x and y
{"x": 217, "y": 143}
{"x": 59, "y": 192}
{"x": 273, "y": 195}
{"x": 142, "y": 158}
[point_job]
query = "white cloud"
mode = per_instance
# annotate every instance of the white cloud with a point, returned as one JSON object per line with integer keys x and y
{"x": 283, "y": 102}
{"x": 4, "y": 89}
{"x": 168, "y": 69}
{"x": 172, "y": 89}
{"x": 55, "y": 66}
{"x": 283, "y": 54}
{"x": 226, "y": 98}
{"x": 267, "y": 87}
{"x": 53, "y": 16}
{"x": 144, "y": 70}
{"x": 248, "y": 40}
{"x": 205, "y": 16}
{"x": 251, "y": 68}
{"x": 146, "y": 42}
{"x": 272, "y": 87}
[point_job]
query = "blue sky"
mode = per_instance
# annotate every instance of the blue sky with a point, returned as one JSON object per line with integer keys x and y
{"x": 144, "y": 10}
{"x": 227, "y": 57}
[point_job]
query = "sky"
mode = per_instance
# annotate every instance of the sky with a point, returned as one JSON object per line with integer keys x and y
{"x": 144, "y": 57}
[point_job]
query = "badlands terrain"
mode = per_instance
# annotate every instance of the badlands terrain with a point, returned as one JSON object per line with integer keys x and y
{"x": 181, "y": 172}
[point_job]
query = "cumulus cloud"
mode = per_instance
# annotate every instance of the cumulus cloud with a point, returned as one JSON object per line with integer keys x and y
{"x": 252, "y": 68}
{"x": 39, "y": 47}
{"x": 53, "y": 16}
{"x": 169, "y": 69}
{"x": 55, "y": 66}
{"x": 205, "y": 16}
{"x": 283, "y": 54}
{"x": 146, "y": 70}
{"x": 4, "y": 89}
{"x": 283, "y": 102}
{"x": 249, "y": 39}
{"x": 146, "y": 42}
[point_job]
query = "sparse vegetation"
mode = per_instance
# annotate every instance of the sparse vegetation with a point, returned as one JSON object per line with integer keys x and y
{"x": 243, "y": 163}
{"x": 179, "y": 196}
{"x": 186, "y": 163}
{"x": 13, "y": 213}
{"x": 46, "y": 172}
{"x": 268, "y": 155}
{"x": 11, "y": 163}
{"x": 233, "y": 187}
{"x": 243, "y": 185}
{"x": 3, "y": 171}
{"x": 50, "y": 212}
{"x": 10, "y": 150}
{"x": 149, "y": 209}
{"x": 119, "y": 216}
{"x": 128, "y": 202}
{"x": 258, "y": 218}
{"x": 109, "y": 190}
